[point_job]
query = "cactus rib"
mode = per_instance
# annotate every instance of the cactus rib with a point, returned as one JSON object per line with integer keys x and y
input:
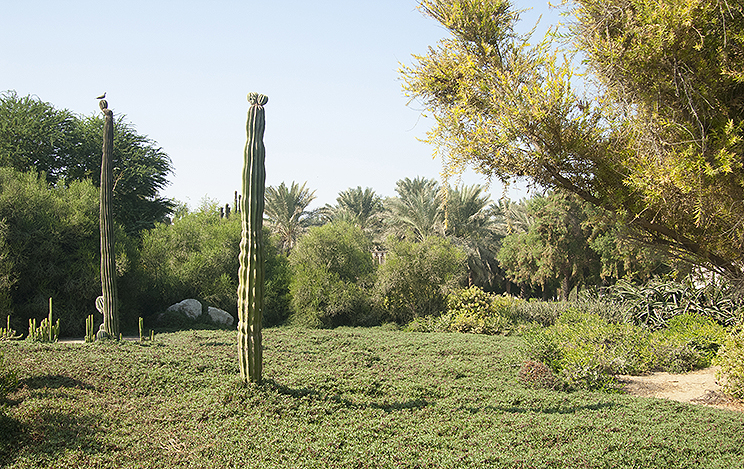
{"x": 110, "y": 325}
{"x": 251, "y": 272}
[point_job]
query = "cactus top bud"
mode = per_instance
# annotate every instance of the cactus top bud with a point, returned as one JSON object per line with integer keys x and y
{"x": 255, "y": 98}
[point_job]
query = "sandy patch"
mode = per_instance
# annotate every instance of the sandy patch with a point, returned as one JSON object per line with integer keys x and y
{"x": 696, "y": 387}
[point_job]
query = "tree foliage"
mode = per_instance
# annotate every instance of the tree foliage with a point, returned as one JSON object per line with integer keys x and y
{"x": 332, "y": 271}
{"x": 35, "y": 136}
{"x": 416, "y": 212}
{"x": 360, "y": 207}
{"x": 659, "y": 140}
{"x": 570, "y": 244}
{"x": 197, "y": 257}
{"x": 416, "y": 278}
{"x": 49, "y": 249}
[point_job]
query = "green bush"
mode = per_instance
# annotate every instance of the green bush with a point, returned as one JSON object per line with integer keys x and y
{"x": 332, "y": 271}
{"x": 658, "y": 301}
{"x": 49, "y": 247}
{"x": 688, "y": 342}
{"x": 417, "y": 277}
{"x": 586, "y": 351}
{"x": 475, "y": 311}
{"x": 731, "y": 360}
{"x": 196, "y": 256}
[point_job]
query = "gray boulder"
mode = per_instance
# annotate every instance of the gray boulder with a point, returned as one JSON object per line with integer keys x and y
{"x": 190, "y": 308}
{"x": 220, "y": 317}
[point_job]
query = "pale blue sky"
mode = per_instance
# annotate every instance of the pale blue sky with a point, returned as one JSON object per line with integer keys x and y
{"x": 180, "y": 72}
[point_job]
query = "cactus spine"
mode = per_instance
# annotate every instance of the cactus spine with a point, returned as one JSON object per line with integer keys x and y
{"x": 110, "y": 326}
{"x": 251, "y": 272}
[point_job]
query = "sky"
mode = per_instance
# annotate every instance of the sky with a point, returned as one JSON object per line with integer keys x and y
{"x": 180, "y": 71}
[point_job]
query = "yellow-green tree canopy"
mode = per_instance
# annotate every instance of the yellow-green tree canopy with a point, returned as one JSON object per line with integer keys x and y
{"x": 655, "y": 137}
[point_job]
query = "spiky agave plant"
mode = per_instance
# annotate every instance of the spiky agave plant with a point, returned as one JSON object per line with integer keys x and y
{"x": 110, "y": 326}
{"x": 251, "y": 272}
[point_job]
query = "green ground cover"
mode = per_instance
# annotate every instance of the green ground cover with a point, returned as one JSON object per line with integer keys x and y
{"x": 348, "y": 397}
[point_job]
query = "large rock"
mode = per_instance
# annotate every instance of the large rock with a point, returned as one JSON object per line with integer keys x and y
{"x": 190, "y": 308}
{"x": 220, "y": 316}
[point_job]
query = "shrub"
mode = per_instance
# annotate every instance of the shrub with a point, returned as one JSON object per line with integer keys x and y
{"x": 49, "y": 246}
{"x": 731, "y": 360}
{"x": 538, "y": 375}
{"x": 475, "y": 311}
{"x": 416, "y": 278}
{"x": 197, "y": 257}
{"x": 586, "y": 351}
{"x": 690, "y": 341}
{"x": 332, "y": 270}
{"x": 656, "y": 302}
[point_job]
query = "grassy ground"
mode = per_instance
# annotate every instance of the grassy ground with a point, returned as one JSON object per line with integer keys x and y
{"x": 346, "y": 398}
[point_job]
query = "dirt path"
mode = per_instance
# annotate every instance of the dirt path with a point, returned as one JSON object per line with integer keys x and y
{"x": 697, "y": 387}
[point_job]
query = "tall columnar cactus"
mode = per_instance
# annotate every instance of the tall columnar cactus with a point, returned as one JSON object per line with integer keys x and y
{"x": 251, "y": 272}
{"x": 110, "y": 326}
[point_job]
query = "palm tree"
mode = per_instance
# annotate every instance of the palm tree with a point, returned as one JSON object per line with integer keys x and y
{"x": 466, "y": 212}
{"x": 360, "y": 207}
{"x": 511, "y": 217}
{"x": 416, "y": 210}
{"x": 469, "y": 224}
{"x": 285, "y": 212}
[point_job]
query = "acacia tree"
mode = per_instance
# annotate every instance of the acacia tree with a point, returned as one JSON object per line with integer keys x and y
{"x": 555, "y": 250}
{"x": 659, "y": 143}
{"x": 570, "y": 243}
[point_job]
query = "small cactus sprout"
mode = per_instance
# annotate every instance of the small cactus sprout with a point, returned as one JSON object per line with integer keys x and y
{"x": 251, "y": 272}
{"x": 110, "y": 326}
{"x": 90, "y": 335}
{"x": 47, "y": 331}
{"x": 7, "y": 333}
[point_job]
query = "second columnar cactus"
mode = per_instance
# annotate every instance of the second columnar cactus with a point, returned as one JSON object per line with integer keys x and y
{"x": 110, "y": 326}
{"x": 251, "y": 272}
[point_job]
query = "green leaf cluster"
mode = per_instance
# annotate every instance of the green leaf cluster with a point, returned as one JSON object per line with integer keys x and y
{"x": 650, "y": 127}
{"x": 332, "y": 273}
{"x": 66, "y": 147}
